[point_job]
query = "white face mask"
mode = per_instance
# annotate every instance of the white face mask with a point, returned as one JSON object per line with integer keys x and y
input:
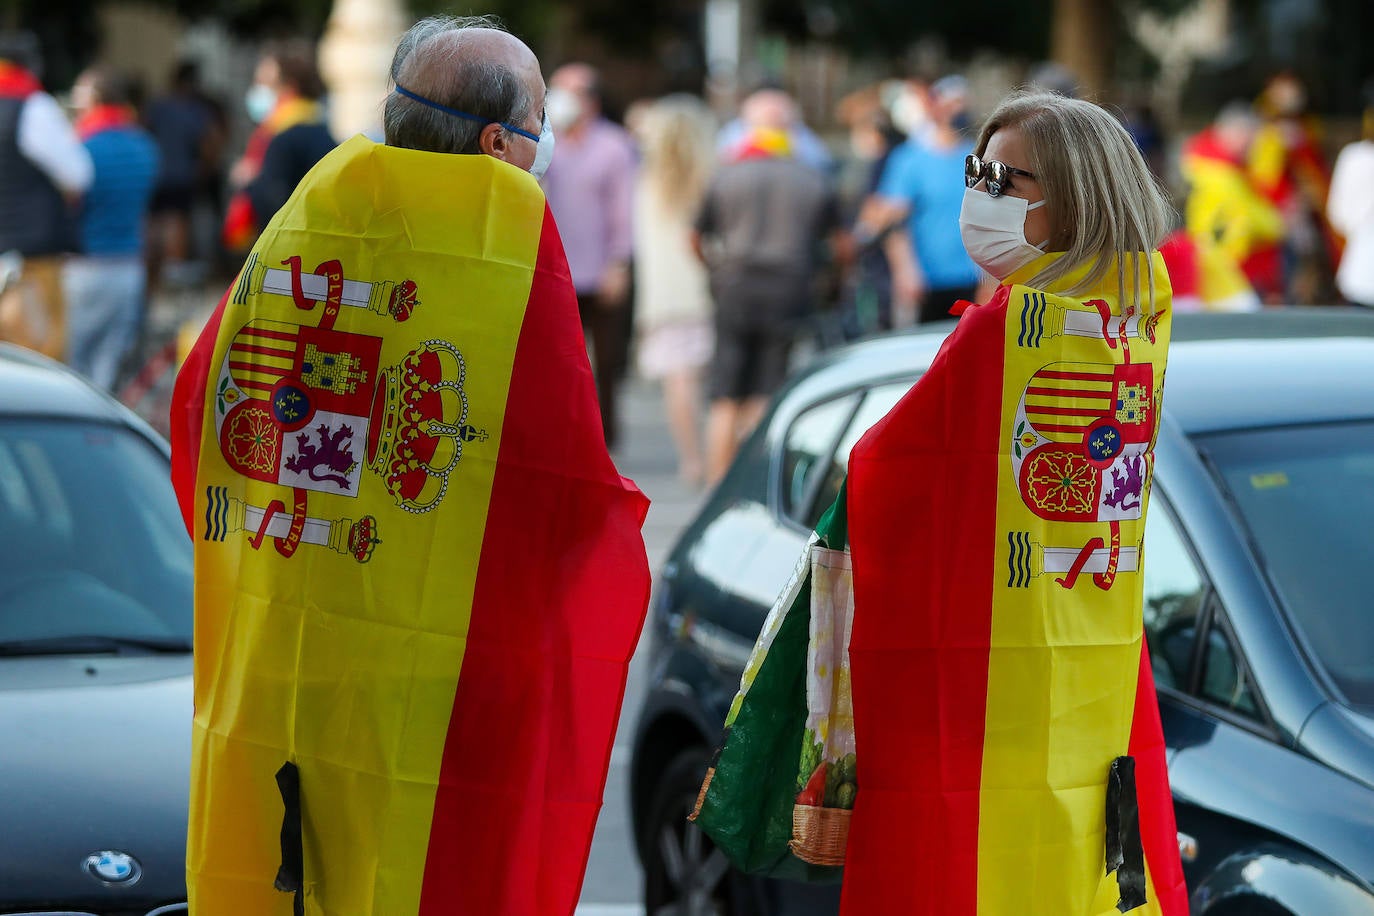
{"x": 993, "y": 230}
{"x": 562, "y": 108}
{"x": 543, "y": 153}
{"x": 259, "y": 100}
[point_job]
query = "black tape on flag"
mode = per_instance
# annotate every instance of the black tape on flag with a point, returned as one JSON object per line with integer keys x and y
{"x": 1125, "y": 852}
{"x": 291, "y": 875}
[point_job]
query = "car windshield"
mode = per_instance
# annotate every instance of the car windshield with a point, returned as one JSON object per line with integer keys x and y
{"x": 1306, "y": 494}
{"x": 93, "y": 553}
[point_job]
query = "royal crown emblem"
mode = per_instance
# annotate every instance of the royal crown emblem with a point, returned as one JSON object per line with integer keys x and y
{"x": 312, "y": 408}
{"x": 422, "y": 413}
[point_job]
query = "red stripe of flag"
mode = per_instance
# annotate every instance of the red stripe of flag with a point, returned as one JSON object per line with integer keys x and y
{"x": 264, "y": 332}
{"x": 913, "y": 841}
{"x": 1074, "y": 376}
{"x": 264, "y": 351}
{"x": 1049, "y": 410}
{"x": 187, "y": 417}
{"x": 562, "y": 586}
{"x": 251, "y": 367}
{"x": 1059, "y": 428}
{"x": 1158, "y": 831}
{"x": 1070, "y": 393}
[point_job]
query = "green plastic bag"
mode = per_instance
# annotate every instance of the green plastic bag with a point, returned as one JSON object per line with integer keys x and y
{"x": 777, "y": 797}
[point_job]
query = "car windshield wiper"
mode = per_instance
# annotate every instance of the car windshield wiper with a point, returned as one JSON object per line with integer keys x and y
{"x": 90, "y": 645}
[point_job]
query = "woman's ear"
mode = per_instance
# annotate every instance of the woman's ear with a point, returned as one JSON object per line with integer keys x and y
{"x": 494, "y": 142}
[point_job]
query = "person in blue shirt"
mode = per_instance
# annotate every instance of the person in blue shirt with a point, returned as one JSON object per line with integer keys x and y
{"x": 106, "y": 281}
{"x": 923, "y": 188}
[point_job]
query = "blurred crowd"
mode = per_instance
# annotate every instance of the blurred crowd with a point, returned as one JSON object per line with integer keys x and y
{"x": 703, "y": 249}
{"x": 796, "y": 240}
{"x": 102, "y": 197}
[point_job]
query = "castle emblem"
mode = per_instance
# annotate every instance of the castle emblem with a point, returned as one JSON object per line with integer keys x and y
{"x": 313, "y": 409}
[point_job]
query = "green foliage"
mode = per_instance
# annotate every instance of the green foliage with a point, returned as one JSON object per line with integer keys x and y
{"x": 259, "y": 18}
{"x": 889, "y": 27}
{"x": 811, "y": 752}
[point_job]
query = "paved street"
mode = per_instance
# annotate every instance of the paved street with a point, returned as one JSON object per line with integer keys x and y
{"x": 613, "y": 883}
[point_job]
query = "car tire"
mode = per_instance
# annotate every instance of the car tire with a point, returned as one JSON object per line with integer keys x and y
{"x": 684, "y": 873}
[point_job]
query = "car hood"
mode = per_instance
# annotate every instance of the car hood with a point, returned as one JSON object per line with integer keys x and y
{"x": 95, "y": 757}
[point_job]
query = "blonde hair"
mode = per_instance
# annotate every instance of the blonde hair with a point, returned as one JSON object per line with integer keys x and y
{"x": 1096, "y": 185}
{"x": 677, "y": 139}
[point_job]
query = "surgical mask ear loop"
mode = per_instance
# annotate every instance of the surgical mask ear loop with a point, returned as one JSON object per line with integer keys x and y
{"x": 1035, "y": 206}
{"x": 401, "y": 90}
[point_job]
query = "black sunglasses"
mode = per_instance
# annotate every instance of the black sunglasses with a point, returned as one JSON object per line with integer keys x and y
{"x": 998, "y": 174}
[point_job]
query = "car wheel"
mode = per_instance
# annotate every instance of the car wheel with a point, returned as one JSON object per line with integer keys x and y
{"x": 684, "y": 873}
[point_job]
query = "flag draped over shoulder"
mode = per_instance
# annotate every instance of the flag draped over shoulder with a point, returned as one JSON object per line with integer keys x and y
{"x": 1004, "y": 706}
{"x": 419, "y": 577}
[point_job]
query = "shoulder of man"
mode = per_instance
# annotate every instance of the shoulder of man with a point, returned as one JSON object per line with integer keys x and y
{"x": 43, "y": 102}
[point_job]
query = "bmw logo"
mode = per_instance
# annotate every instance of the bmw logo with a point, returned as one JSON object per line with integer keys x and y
{"x": 110, "y": 867}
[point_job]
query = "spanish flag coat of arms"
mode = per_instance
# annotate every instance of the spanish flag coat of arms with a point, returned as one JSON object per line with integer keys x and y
{"x": 1012, "y": 760}
{"x": 419, "y": 577}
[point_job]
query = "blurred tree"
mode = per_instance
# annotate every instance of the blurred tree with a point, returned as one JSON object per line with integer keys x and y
{"x": 67, "y": 30}
{"x": 889, "y": 27}
{"x": 529, "y": 19}
{"x": 1083, "y": 35}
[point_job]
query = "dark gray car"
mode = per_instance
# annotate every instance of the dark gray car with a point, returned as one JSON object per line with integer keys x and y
{"x": 1258, "y": 610}
{"x": 95, "y": 653}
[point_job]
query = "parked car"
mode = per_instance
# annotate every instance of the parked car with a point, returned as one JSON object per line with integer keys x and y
{"x": 95, "y": 653}
{"x": 1257, "y": 609}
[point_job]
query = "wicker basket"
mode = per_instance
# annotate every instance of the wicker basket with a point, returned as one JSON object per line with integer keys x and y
{"x": 819, "y": 835}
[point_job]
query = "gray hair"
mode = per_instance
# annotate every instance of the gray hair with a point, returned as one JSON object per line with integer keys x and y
{"x": 442, "y": 72}
{"x": 1097, "y": 188}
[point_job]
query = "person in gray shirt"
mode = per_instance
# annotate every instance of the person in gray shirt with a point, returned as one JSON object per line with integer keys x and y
{"x": 761, "y": 230}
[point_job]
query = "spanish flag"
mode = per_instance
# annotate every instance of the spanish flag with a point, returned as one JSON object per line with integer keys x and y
{"x": 1011, "y": 754}
{"x": 419, "y": 577}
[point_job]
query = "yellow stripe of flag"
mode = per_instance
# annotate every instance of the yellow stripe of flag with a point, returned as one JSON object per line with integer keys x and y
{"x": 1062, "y": 669}
{"x": 350, "y": 669}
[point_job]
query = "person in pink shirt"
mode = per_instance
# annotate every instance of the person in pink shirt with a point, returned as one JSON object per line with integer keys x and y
{"x": 590, "y": 187}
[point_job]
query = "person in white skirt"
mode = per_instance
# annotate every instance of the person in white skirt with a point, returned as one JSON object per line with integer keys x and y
{"x": 672, "y": 295}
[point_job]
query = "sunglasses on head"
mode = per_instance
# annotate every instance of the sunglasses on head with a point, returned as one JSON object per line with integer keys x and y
{"x": 998, "y": 174}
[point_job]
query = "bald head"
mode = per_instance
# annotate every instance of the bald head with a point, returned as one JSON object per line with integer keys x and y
{"x": 429, "y": 53}
{"x": 471, "y": 65}
{"x": 769, "y": 109}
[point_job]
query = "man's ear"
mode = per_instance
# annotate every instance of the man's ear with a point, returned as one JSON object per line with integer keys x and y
{"x": 493, "y": 141}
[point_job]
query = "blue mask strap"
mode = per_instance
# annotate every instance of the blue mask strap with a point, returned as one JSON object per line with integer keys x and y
{"x": 463, "y": 114}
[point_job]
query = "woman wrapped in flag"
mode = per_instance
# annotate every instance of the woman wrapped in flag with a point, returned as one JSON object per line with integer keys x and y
{"x": 419, "y": 577}
{"x": 1009, "y": 745}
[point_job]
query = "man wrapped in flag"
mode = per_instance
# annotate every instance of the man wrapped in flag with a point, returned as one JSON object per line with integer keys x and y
{"x": 1010, "y": 753}
{"x": 419, "y": 577}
